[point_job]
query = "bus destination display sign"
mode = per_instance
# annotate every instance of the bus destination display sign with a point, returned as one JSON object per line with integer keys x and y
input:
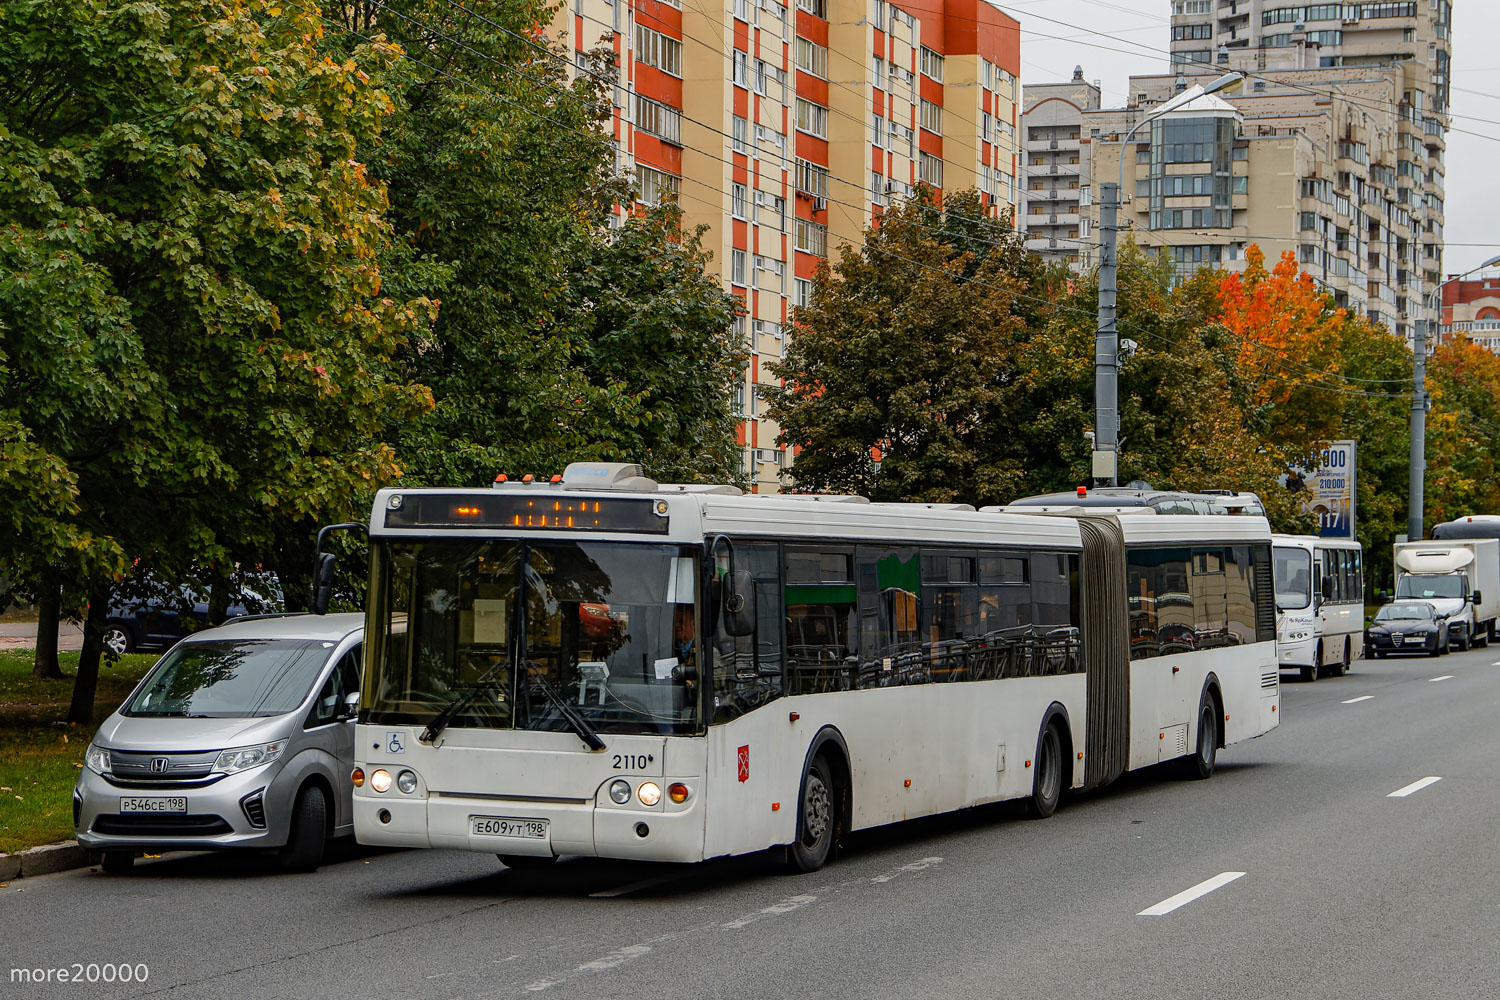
{"x": 525, "y": 513}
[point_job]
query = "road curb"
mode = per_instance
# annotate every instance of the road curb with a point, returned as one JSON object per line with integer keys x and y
{"x": 44, "y": 860}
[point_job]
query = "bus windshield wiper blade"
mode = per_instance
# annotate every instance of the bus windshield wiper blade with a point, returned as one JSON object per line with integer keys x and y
{"x": 580, "y": 725}
{"x": 466, "y": 697}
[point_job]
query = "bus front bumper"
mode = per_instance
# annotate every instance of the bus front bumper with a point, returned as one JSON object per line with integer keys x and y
{"x": 1296, "y": 653}
{"x": 668, "y": 831}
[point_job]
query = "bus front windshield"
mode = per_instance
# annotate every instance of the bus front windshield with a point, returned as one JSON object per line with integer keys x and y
{"x": 1429, "y": 588}
{"x": 524, "y": 633}
{"x": 1293, "y": 579}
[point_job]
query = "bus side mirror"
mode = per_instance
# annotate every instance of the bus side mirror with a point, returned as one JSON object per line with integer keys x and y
{"x": 739, "y": 603}
{"x": 322, "y": 588}
{"x": 1327, "y": 588}
{"x": 1476, "y": 597}
{"x": 324, "y": 564}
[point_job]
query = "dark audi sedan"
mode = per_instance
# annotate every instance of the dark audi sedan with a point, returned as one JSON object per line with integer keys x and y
{"x": 1407, "y": 627}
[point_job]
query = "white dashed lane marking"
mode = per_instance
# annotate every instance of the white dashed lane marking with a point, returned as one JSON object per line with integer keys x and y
{"x": 1363, "y": 697}
{"x": 1415, "y": 786}
{"x": 1186, "y": 896}
{"x": 1444, "y": 677}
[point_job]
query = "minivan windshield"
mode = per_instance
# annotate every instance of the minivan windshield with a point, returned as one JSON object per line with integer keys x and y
{"x": 241, "y": 679}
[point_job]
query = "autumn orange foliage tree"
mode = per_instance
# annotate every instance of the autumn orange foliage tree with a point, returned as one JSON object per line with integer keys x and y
{"x": 1286, "y": 342}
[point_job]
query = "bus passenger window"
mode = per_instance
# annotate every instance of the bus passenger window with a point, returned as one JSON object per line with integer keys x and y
{"x": 1210, "y": 593}
{"x": 1162, "y": 618}
{"x": 1004, "y": 592}
{"x": 1239, "y": 595}
{"x": 889, "y": 587}
{"x": 949, "y": 613}
{"x": 820, "y": 620}
{"x": 747, "y": 669}
{"x": 1051, "y": 593}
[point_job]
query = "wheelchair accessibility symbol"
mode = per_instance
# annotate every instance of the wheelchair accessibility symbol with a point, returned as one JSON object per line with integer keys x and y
{"x": 393, "y": 743}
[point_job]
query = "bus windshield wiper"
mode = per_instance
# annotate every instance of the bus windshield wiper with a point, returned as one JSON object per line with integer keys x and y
{"x": 580, "y": 725}
{"x": 464, "y": 700}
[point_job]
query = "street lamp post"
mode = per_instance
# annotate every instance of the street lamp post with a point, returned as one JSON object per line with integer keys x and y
{"x": 1417, "y": 471}
{"x": 1106, "y": 455}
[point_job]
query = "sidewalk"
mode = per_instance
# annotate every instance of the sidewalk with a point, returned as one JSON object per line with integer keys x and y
{"x": 22, "y": 635}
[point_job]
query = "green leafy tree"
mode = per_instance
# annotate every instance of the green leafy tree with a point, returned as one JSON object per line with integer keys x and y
{"x": 1464, "y": 380}
{"x": 1376, "y": 415}
{"x": 191, "y": 171}
{"x": 559, "y": 337}
{"x": 1181, "y": 425}
{"x": 897, "y": 373}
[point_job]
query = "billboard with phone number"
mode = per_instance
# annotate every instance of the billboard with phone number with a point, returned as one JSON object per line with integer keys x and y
{"x": 1331, "y": 494}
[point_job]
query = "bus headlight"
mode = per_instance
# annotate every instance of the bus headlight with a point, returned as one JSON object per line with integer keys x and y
{"x": 407, "y": 782}
{"x": 649, "y": 793}
{"x": 619, "y": 791}
{"x": 380, "y": 780}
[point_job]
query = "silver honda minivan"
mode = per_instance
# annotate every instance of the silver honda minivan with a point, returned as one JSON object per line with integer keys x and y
{"x": 241, "y": 736}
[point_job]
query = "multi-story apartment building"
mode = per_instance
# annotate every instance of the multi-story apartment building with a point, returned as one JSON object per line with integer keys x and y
{"x": 1329, "y": 44}
{"x": 1471, "y": 310}
{"x": 1302, "y": 160}
{"x": 786, "y": 130}
{"x": 1055, "y": 187}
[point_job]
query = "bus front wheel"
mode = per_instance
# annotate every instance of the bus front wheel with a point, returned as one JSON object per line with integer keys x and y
{"x": 817, "y": 819}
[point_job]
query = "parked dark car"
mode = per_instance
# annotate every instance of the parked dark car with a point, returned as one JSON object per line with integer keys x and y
{"x": 146, "y": 614}
{"x": 1407, "y": 627}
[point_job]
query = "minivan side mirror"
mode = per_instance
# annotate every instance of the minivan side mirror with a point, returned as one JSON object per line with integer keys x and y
{"x": 351, "y": 705}
{"x": 739, "y": 603}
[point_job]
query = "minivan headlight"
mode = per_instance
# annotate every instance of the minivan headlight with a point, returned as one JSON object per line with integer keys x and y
{"x": 242, "y": 758}
{"x": 96, "y": 759}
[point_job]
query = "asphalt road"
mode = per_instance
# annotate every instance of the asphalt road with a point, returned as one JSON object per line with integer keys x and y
{"x": 1345, "y": 892}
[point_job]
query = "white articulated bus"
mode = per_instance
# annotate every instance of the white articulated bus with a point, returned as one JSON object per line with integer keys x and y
{"x": 604, "y": 666}
{"x": 1320, "y": 605}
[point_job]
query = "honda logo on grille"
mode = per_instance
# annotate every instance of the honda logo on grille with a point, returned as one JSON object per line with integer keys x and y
{"x": 159, "y": 765}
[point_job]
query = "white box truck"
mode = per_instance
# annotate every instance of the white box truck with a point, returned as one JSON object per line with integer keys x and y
{"x": 1460, "y": 578}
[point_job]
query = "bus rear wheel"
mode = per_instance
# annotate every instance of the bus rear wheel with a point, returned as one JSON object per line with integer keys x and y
{"x": 1200, "y": 764}
{"x": 817, "y": 819}
{"x": 1046, "y": 784}
{"x": 1342, "y": 667}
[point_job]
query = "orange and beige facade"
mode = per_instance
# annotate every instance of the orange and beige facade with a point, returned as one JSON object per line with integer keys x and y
{"x": 787, "y": 129}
